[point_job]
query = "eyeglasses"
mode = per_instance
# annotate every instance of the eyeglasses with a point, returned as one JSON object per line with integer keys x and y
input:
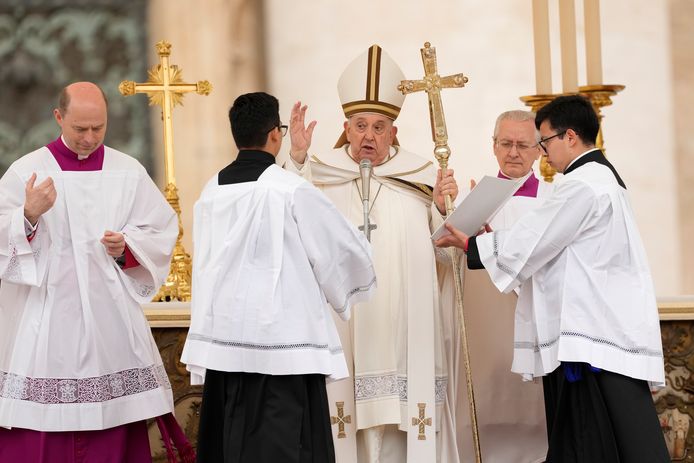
{"x": 543, "y": 141}
{"x": 507, "y": 145}
{"x": 282, "y": 128}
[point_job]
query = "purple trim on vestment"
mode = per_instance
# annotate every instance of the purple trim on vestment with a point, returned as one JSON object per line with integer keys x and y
{"x": 68, "y": 160}
{"x": 529, "y": 188}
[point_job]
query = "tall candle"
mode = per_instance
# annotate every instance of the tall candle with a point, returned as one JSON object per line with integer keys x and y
{"x": 591, "y": 10}
{"x": 543, "y": 63}
{"x": 567, "y": 34}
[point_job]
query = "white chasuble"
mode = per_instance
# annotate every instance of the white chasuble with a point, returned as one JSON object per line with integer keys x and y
{"x": 393, "y": 344}
{"x": 76, "y": 351}
{"x": 510, "y": 411}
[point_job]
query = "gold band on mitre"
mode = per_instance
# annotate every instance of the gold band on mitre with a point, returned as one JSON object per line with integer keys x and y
{"x": 378, "y": 107}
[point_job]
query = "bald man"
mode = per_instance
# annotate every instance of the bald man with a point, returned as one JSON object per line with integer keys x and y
{"x": 85, "y": 238}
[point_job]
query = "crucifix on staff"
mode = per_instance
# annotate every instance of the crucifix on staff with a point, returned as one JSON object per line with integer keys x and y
{"x": 432, "y": 84}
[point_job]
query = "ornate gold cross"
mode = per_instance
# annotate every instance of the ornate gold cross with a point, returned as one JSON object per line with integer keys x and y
{"x": 340, "y": 420}
{"x": 421, "y": 421}
{"x": 433, "y": 83}
{"x": 166, "y": 88}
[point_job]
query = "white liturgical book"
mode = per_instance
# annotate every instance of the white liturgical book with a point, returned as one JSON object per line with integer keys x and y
{"x": 478, "y": 207}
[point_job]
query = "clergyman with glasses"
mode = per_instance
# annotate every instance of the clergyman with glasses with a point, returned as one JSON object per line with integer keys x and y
{"x": 510, "y": 412}
{"x": 270, "y": 252}
{"x": 591, "y": 327}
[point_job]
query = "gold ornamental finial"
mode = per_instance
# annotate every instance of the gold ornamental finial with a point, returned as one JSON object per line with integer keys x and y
{"x": 127, "y": 87}
{"x": 204, "y": 87}
{"x": 163, "y": 48}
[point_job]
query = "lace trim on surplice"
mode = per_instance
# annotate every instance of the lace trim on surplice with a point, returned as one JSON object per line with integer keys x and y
{"x": 83, "y": 390}
{"x": 634, "y": 350}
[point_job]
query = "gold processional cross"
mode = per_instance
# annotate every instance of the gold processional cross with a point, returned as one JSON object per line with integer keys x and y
{"x": 432, "y": 84}
{"x": 165, "y": 88}
{"x": 340, "y": 420}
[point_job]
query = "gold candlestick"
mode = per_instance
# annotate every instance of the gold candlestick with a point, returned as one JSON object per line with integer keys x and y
{"x": 600, "y": 96}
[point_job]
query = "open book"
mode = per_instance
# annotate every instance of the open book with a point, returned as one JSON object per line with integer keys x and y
{"x": 478, "y": 207}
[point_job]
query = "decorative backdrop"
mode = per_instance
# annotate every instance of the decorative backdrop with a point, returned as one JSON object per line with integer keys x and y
{"x": 47, "y": 44}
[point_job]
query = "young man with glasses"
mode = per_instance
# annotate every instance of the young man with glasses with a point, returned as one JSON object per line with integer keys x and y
{"x": 592, "y": 332}
{"x": 271, "y": 252}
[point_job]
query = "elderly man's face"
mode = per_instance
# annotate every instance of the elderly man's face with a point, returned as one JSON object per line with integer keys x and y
{"x": 515, "y": 147}
{"x": 370, "y": 137}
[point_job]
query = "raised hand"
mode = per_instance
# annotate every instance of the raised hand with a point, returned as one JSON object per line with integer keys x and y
{"x": 445, "y": 185}
{"x": 38, "y": 198}
{"x": 114, "y": 243}
{"x": 299, "y": 134}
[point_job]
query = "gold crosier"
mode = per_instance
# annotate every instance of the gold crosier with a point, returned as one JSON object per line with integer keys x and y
{"x": 432, "y": 84}
{"x": 165, "y": 88}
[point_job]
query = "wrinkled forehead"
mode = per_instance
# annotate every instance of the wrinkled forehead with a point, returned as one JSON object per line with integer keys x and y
{"x": 371, "y": 118}
{"x": 517, "y": 130}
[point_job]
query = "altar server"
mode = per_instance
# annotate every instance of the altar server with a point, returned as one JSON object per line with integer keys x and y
{"x": 273, "y": 257}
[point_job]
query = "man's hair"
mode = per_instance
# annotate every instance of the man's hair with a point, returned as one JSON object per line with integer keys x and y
{"x": 252, "y": 117}
{"x": 64, "y": 99}
{"x": 571, "y": 112}
{"x": 516, "y": 115}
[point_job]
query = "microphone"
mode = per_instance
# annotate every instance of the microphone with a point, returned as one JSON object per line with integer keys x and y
{"x": 365, "y": 173}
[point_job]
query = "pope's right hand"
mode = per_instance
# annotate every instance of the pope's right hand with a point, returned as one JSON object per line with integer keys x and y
{"x": 39, "y": 198}
{"x": 299, "y": 134}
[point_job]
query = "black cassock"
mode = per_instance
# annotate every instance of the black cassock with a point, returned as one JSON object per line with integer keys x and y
{"x": 604, "y": 417}
{"x": 256, "y": 418}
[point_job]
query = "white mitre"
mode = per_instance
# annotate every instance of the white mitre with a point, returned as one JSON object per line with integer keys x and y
{"x": 369, "y": 84}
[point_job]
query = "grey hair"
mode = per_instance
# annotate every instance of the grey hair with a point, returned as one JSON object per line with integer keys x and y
{"x": 516, "y": 115}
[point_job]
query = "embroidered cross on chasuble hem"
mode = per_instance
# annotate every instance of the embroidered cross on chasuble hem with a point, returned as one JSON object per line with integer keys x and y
{"x": 340, "y": 420}
{"x": 421, "y": 421}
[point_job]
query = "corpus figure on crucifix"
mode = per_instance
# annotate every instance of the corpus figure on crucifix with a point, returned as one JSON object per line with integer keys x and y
{"x": 394, "y": 345}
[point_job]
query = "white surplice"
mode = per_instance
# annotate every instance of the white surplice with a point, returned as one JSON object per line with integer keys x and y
{"x": 587, "y": 293}
{"x": 76, "y": 351}
{"x": 393, "y": 344}
{"x": 510, "y": 411}
{"x": 270, "y": 255}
